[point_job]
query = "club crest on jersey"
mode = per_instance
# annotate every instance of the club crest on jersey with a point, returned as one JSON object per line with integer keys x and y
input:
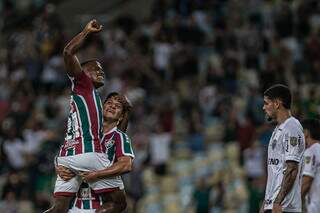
{"x": 293, "y": 141}
{"x": 308, "y": 159}
{"x": 109, "y": 143}
{"x": 85, "y": 193}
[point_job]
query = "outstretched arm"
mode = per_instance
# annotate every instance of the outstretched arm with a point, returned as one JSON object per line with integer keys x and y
{"x": 122, "y": 166}
{"x": 71, "y": 61}
{"x": 287, "y": 181}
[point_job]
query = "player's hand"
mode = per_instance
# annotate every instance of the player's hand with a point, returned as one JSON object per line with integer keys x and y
{"x": 277, "y": 208}
{"x": 89, "y": 176}
{"x": 93, "y": 26}
{"x": 64, "y": 173}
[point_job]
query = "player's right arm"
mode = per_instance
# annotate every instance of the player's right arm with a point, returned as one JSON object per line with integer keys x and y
{"x": 71, "y": 61}
{"x": 309, "y": 171}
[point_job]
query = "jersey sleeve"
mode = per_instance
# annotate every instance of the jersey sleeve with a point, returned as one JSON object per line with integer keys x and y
{"x": 123, "y": 146}
{"x": 81, "y": 83}
{"x": 309, "y": 163}
{"x": 294, "y": 144}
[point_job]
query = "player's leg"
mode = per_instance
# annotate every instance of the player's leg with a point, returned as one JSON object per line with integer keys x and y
{"x": 64, "y": 191}
{"x": 61, "y": 205}
{"x": 114, "y": 202}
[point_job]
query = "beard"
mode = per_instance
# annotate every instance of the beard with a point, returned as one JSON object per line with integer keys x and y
{"x": 270, "y": 120}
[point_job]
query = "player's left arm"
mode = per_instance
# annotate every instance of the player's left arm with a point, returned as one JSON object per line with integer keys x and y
{"x": 122, "y": 166}
{"x": 290, "y": 174}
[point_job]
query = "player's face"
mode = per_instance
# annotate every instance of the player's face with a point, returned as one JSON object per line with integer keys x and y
{"x": 270, "y": 109}
{"x": 112, "y": 109}
{"x": 306, "y": 137}
{"x": 95, "y": 73}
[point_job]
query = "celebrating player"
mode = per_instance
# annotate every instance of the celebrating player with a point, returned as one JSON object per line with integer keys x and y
{"x": 82, "y": 150}
{"x": 285, "y": 153}
{"x": 311, "y": 172}
{"x": 117, "y": 147}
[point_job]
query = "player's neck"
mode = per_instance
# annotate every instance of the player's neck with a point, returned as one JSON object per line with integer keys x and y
{"x": 107, "y": 126}
{"x": 283, "y": 115}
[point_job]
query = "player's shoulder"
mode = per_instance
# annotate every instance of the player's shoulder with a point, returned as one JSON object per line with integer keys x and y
{"x": 314, "y": 149}
{"x": 120, "y": 133}
{"x": 293, "y": 124}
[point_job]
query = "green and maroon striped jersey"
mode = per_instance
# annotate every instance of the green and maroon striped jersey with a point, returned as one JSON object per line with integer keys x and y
{"x": 84, "y": 127}
{"x": 115, "y": 144}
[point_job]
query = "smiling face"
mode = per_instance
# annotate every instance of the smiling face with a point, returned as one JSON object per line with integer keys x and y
{"x": 270, "y": 108}
{"x": 94, "y": 71}
{"x": 113, "y": 109}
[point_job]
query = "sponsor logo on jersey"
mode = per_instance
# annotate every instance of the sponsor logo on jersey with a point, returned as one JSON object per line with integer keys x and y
{"x": 273, "y": 144}
{"x": 273, "y": 161}
{"x": 70, "y": 143}
{"x": 313, "y": 160}
{"x": 268, "y": 201}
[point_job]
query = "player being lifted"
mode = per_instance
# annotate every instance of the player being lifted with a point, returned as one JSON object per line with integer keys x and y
{"x": 311, "y": 172}
{"x": 82, "y": 150}
{"x": 117, "y": 146}
{"x": 285, "y": 153}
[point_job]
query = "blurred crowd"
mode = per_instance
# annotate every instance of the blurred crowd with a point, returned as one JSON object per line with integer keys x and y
{"x": 195, "y": 72}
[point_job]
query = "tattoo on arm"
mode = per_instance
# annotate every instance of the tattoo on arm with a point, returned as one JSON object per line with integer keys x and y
{"x": 288, "y": 180}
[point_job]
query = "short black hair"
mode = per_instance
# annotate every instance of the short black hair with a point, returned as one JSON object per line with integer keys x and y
{"x": 313, "y": 126}
{"x": 280, "y": 91}
{"x": 87, "y": 61}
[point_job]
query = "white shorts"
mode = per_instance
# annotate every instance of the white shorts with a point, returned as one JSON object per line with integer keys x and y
{"x": 77, "y": 210}
{"x": 82, "y": 162}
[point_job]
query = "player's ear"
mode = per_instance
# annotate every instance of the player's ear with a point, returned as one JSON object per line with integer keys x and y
{"x": 277, "y": 103}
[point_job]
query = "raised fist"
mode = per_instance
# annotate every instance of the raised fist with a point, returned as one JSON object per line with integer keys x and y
{"x": 93, "y": 26}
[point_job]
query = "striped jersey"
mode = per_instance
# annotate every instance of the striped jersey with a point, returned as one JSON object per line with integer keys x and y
{"x": 84, "y": 127}
{"x": 86, "y": 198}
{"x": 115, "y": 144}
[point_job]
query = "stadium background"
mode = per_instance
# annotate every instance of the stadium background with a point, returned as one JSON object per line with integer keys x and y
{"x": 194, "y": 71}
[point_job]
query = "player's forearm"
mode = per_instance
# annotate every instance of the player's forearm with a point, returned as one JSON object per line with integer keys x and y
{"x": 306, "y": 184}
{"x": 118, "y": 168}
{"x": 74, "y": 45}
{"x": 288, "y": 181}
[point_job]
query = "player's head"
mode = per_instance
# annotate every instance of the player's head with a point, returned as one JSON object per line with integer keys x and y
{"x": 276, "y": 98}
{"x": 311, "y": 130}
{"x": 93, "y": 70}
{"x": 116, "y": 108}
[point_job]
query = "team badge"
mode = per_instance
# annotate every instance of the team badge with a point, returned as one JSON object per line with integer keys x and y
{"x": 293, "y": 141}
{"x": 85, "y": 192}
{"x": 308, "y": 159}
